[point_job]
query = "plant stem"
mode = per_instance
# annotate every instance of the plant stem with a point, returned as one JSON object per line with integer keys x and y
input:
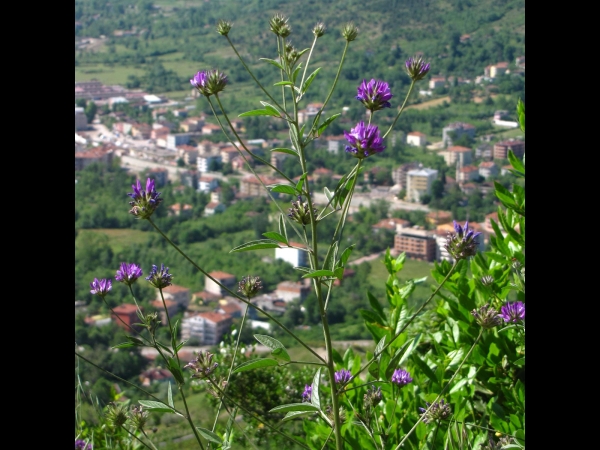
{"x": 234, "y": 294}
{"x": 442, "y": 391}
{"x": 374, "y": 358}
{"x": 401, "y": 109}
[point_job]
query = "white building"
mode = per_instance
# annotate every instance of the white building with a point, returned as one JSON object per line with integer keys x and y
{"x": 418, "y": 182}
{"x": 208, "y": 327}
{"x": 81, "y": 122}
{"x": 416, "y": 138}
{"x": 294, "y": 256}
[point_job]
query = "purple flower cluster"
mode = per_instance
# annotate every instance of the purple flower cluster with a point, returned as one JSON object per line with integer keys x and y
{"x": 100, "y": 287}
{"x": 364, "y": 140}
{"x": 375, "y": 94}
{"x": 462, "y": 244}
{"x": 342, "y": 376}
{"x": 80, "y": 444}
{"x": 486, "y": 316}
{"x": 438, "y": 411}
{"x": 307, "y": 394}
{"x": 513, "y": 312}
{"x": 160, "y": 278}
{"x": 401, "y": 377}
{"x": 209, "y": 82}
{"x": 144, "y": 201}
{"x": 202, "y": 366}
{"x": 128, "y": 273}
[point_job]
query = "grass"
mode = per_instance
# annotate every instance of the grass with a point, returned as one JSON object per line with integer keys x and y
{"x": 121, "y": 238}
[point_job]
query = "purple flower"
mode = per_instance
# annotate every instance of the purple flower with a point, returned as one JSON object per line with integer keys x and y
{"x": 416, "y": 68}
{"x": 128, "y": 273}
{"x": 144, "y": 201}
{"x": 439, "y": 411}
{"x": 342, "y": 376}
{"x": 81, "y": 445}
{"x": 513, "y": 312}
{"x": 159, "y": 278}
{"x": 401, "y": 377}
{"x": 307, "y": 394}
{"x": 209, "y": 82}
{"x": 100, "y": 287}
{"x": 486, "y": 316}
{"x": 202, "y": 366}
{"x": 462, "y": 244}
{"x": 364, "y": 140}
{"x": 375, "y": 94}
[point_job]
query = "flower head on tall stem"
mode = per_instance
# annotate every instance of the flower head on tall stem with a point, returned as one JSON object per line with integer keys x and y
{"x": 364, "y": 140}
{"x": 375, "y": 94}
{"x": 128, "y": 273}
{"x": 145, "y": 201}
{"x": 138, "y": 417}
{"x": 116, "y": 415}
{"x": 160, "y": 278}
{"x": 350, "y": 32}
{"x": 223, "y": 27}
{"x": 416, "y": 68}
{"x": 341, "y": 377}
{"x": 300, "y": 212}
{"x": 462, "y": 244}
{"x": 307, "y": 394}
{"x": 439, "y": 411}
{"x": 279, "y": 25}
{"x": 100, "y": 287}
{"x": 401, "y": 377}
{"x": 319, "y": 29}
{"x": 513, "y": 312}
{"x": 209, "y": 82}
{"x": 372, "y": 397}
{"x": 202, "y": 366}
{"x": 249, "y": 286}
{"x": 486, "y": 316}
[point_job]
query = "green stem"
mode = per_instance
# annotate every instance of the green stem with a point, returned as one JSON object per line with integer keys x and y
{"x": 401, "y": 109}
{"x": 124, "y": 381}
{"x": 234, "y": 294}
{"x": 442, "y": 392}
{"x": 237, "y": 345}
{"x": 374, "y": 358}
{"x": 254, "y": 78}
{"x": 306, "y": 67}
{"x": 254, "y": 416}
{"x": 143, "y": 443}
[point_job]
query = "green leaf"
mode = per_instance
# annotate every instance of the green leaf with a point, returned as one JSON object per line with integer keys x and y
{"x": 209, "y": 435}
{"x": 326, "y": 123}
{"x": 282, "y": 228}
{"x": 255, "y": 364}
{"x": 289, "y": 151}
{"x": 521, "y": 114}
{"x": 152, "y": 405}
{"x": 258, "y": 112}
{"x": 170, "y": 396}
{"x": 272, "y": 61}
{"x": 337, "y": 358}
{"x": 275, "y": 236}
{"x": 255, "y": 245}
{"x": 281, "y": 353}
{"x": 516, "y": 162}
{"x": 283, "y": 188}
{"x": 315, "y": 396}
{"x": 371, "y": 317}
{"x": 376, "y": 306}
{"x": 345, "y": 255}
{"x": 410, "y": 349}
{"x": 268, "y": 341}
{"x": 379, "y": 347}
{"x": 309, "y": 80}
{"x": 319, "y": 273}
{"x": 294, "y": 414}
{"x": 283, "y": 83}
{"x": 425, "y": 368}
{"x": 125, "y": 345}
{"x": 271, "y": 109}
{"x": 173, "y": 366}
{"x": 330, "y": 257}
{"x": 301, "y": 182}
{"x": 295, "y": 407}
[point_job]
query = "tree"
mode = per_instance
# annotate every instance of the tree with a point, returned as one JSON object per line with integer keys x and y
{"x": 90, "y": 111}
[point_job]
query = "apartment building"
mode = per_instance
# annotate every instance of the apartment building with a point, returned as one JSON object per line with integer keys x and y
{"x": 418, "y": 183}
{"x": 457, "y": 129}
{"x": 208, "y": 327}
{"x": 416, "y": 242}
{"x": 501, "y": 148}
{"x": 224, "y": 278}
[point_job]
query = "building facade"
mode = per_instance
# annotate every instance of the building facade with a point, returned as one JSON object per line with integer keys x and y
{"x": 417, "y": 243}
{"x": 418, "y": 183}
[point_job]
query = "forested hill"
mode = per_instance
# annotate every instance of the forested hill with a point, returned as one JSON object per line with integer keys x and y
{"x": 459, "y": 37}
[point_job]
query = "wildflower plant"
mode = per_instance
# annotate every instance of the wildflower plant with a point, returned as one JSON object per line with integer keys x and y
{"x": 353, "y": 401}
